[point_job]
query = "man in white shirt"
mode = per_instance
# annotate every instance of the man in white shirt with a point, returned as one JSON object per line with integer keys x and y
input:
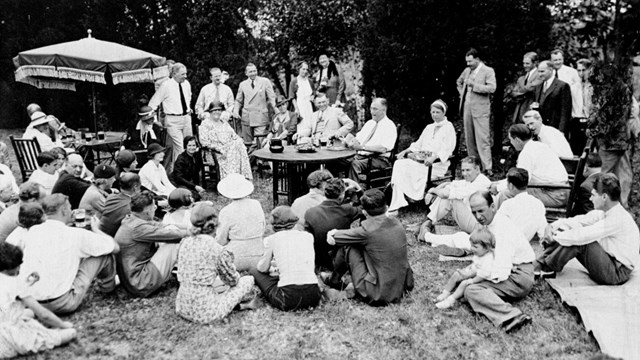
{"x": 571, "y": 77}
{"x": 543, "y": 165}
{"x": 216, "y": 91}
{"x": 512, "y": 270}
{"x": 453, "y": 197}
{"x": 523, "y": 209}
{"x": 175, "y": 96}
{"x": 547, "y": 134}
{"x": 605, "y": 241}
{"x": 376, "y": 138}
{"x": 46, "y": 174}
{"x": 326, "y": 123}
{"x": 67, "y": 259}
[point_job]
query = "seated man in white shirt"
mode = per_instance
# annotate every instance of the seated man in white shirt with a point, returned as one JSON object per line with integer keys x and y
{"x": 326, "y": 123}
{"x": 547, "y": 134}
{"x": 454, "y": 197}
{"x": 46, "y": 174}
{"x": 376, "y": 138}
{"x": 543, "y": 165}
{"x": 605, "y": 241}
{"x": 67, "y": 259}
{"x": 527, "y": 212}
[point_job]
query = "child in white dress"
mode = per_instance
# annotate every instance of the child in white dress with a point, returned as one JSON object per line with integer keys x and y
{"x": 483, "y": 244}
{"x": 20, "y": 332}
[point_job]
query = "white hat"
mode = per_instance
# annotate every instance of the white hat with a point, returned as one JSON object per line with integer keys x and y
{"x": 38, "y": 118}
{"x": 235, "y": 186}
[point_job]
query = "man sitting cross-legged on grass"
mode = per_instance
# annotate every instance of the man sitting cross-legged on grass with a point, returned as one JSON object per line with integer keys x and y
{"x": 149, "y": 249}
{"x": 454, "y": 197}
{"x": 605, "y": 240}
{"x": 375, "y": 253}
{"x": 330, "y": 214}
{"x": 483, "y": 244}
{"x": 66, "y": 258}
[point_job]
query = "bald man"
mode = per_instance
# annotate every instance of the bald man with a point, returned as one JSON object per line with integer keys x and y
{"x": 70, "y": 183}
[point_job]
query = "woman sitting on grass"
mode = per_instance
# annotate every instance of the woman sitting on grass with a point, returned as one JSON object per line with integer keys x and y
{"x": 181, "y": 204}
{"x": 210, "y": 286}
{"x": 20, "y": 332}
{"x": 483, "y": 244}
{"x": 285, "y": 273}
{"x": 242, "y": 222}
{"x": 30, "y": 214}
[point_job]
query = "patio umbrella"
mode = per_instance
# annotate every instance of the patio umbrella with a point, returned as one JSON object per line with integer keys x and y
{"x": 60, "y": 66}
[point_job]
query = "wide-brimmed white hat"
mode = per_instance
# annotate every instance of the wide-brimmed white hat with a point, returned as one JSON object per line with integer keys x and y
{"x": 38, "y": 118}
{"x": 235, "y": 186}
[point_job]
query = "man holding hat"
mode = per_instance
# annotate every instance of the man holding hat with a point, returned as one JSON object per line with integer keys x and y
{"x": 94, "y": 198}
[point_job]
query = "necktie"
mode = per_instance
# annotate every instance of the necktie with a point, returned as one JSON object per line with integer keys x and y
{"x": 320, "y": 124}
{"x": 526, "y": 78}
{"x": 373, "y": 131}
{"x": 216, "y": 96}
{"x": 253, "y": 86}
{"x": 556, "y": 74}
{"x": 182, "y": 100}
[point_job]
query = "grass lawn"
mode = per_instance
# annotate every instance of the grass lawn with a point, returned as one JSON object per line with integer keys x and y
{"x": 117, "y": 326}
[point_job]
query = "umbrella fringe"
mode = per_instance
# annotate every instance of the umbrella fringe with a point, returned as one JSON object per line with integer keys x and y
{"x": 26, "y": 71}
{"x": 132, "y": 76}
{"x": 160, "y": 72}
{"x": 48, "y": 83}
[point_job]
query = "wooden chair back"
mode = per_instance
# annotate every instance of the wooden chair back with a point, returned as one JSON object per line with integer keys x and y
{"x": 454, "y": 161}
{"x": 379, "y": 178}
{"x": 26, "y": 150}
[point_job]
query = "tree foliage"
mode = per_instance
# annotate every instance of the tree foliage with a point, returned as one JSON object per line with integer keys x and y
{"x": 414, "y": 50}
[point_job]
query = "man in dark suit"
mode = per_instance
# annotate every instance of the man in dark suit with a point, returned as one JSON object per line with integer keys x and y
{"x": 554, "y": 99}
{"x": 376, "y": 253}
{"x": 592, "y": 169}
{"x": 253, "y": 99}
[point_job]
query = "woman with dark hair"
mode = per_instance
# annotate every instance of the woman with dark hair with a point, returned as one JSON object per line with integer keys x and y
{"x": 30, "y": 214}
{"x": 285, "y": 273}
{"x": 301, "y": 92}
{"x": 186, "y": 169}
{"x": 210, "y": 285}
{"x": 220, "y": 140}
{"x": 330, "y": 80}
{"x": 181, "y": 204}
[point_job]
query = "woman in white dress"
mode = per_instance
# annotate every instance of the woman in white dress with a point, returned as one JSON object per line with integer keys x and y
{"x": 409, "y": 177}
{"x": 301, "y": 89}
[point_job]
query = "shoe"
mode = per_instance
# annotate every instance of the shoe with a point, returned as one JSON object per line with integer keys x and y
{"x": 516, "y": 323}
{"x": 446, "y": 303}
{"x": 426, "y": 227}
{"x": 450, "y": 251}
{"x": 541, "y": 272}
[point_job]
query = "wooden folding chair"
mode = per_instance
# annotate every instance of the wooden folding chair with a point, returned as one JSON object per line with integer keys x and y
{"x": 379, "y": 178}
{"x": 26, "y": 150}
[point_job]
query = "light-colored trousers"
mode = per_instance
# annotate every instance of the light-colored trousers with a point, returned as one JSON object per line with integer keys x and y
{"x": 477, "y": 135}
{"x": 178, "y": 127}
{"x": 103, "y": 268}
{"x": 459, "y": 209}
{"x": 487, "y": 297}
{"x": 618, "y": 162}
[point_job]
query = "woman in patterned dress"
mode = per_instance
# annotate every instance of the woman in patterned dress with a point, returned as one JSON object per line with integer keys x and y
{"x": 210, "y": 286}
{"x": 218, "y": 139}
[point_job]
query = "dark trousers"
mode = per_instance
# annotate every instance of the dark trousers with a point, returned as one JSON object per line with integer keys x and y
{"x": 602, "y": 267}
{"x": 358, "y": 165}
{"x": 286, "y": 298}
{"x": 577, "y": 135}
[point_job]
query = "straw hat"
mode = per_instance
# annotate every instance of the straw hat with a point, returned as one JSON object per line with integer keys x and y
{"x": 145, "y": 113}
{"x": 38, "y": 118}
{"x": 235, "y": 186}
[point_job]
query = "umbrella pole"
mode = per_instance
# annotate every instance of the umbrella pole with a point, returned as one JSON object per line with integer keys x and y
{"x": 93, "y": 102}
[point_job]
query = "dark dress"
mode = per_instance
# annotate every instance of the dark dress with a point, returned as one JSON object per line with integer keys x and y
{"x": 186, "y": 171}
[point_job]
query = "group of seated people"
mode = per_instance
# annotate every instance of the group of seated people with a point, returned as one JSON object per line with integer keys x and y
{"x": 323, "y": 245}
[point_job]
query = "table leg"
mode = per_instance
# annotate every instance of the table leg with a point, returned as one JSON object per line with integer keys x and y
{"x": 291, "y": 191}
{"x": 275, "y": 175}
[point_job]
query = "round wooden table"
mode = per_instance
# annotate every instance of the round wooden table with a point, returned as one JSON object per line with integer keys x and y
{"x": 291, "y": 168}
{"x": 110, "y": 145}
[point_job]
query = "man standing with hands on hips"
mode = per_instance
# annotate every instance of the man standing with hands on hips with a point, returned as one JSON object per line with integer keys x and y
{"x": 175, "y": 96}
{"x": 475, "y": 85}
